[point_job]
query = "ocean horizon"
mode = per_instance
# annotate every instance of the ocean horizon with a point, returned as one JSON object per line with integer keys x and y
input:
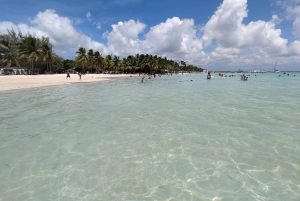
{"x": 179, "y": 137}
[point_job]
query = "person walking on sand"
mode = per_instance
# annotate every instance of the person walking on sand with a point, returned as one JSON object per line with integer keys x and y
{"x": 68, "y": 76}
{"x": 79, "y": 74}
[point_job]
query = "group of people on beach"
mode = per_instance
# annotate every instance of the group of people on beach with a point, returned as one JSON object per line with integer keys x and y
{"x": 68, "y": 75}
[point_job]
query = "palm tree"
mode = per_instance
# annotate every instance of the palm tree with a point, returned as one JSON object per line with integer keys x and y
{"x": 98, "y": 59}
{"x": 47, "y": 53}
{"x": 91, "y": 58}
{"x": 57, "y": 62}
{"x": 30, "y": 49}
{"x": 116, "y": 62}
{"x": 9, "y": 54}
{"x": 122, "y": 66}
{"x": 8, "y": 48}
{"x": 183, "y": 64}
{"x": 108, "y": 62}
{"x": 82, "y": 57}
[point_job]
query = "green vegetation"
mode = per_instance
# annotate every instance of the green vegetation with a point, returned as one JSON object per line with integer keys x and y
{"x": 37, "y": 56}
{"x": 94, "y": 62}
{"x": 34, "y": 54}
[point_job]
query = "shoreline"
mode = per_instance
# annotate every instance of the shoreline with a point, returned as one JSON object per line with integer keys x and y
{"x": 16, "y": 82}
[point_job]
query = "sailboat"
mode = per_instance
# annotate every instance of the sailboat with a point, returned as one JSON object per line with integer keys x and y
{"x": 276, "y": 71}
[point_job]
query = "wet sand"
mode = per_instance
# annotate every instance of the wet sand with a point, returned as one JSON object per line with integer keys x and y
{"x": 12, "y": 82}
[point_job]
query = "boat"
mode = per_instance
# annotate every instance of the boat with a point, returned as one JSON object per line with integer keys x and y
{"x": 276, "y": 71}
{"x": 222, "y": 74}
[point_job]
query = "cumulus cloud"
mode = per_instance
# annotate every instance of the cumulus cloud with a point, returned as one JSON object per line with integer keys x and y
{"x": 238, "y": 42}
{"x": 59, "y": 29}
{"x": 296, "y": 27}
{"x": 227, "y": 28}
{"x": 225, "y": 25}
{"x": 292, "y": 12}
{"x": 124, "y": 37}
{"x": 173, "y": 36}
{"x": 224, "y": 40}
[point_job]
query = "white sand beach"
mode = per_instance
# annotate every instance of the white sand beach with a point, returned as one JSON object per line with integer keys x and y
{"x": 11, "y": 82}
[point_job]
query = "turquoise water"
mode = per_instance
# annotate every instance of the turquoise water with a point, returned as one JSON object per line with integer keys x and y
{"x": 168, "y": 138}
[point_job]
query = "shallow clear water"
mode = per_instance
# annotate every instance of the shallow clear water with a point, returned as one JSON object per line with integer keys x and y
{"x": 169, "y": 138}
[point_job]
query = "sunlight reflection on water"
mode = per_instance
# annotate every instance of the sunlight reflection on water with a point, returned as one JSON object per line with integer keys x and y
{"x": 165, "y": 139}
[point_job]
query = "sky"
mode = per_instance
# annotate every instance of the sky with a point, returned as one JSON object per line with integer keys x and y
{"x": 211, "y": 34}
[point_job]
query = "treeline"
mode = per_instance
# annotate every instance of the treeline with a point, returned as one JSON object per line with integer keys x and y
{"x": 143, "y": 63}
{"x": 37, "y": 56}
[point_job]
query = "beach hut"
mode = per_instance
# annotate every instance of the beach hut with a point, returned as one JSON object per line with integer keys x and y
{"x": 71, "y": 71}
{"x": 12, "y": 71}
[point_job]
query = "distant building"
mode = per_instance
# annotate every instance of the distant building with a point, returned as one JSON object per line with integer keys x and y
{"x": 257, "y": 71}
{"x": 12, "y": 71}
{"x": 71, "y": 71}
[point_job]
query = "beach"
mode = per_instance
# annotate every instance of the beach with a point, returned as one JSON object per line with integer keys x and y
{"x": 11, "y": 82}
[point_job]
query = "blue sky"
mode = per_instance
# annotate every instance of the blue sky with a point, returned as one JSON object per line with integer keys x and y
{"x": 213, "y": 34}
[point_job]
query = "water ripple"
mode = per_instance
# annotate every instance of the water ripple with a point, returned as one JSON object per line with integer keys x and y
{"x": 165, "y": 139}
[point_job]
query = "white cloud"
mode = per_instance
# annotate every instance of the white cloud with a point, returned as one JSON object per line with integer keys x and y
{"x": 78, "y": 21}
{"x": 292, "y": 12}
{"x": 225, "y": 24}
{"x": 98, "y": 25}
{"x": 124, "y": 37}
{"x": 296, "y": 27}
{"x": 224, "y": 40}
{"x": 59, "y": 29}
{"x": 238, "y": 43}
{"x": 173, "y": 36}
{"x": 88, "y": 16}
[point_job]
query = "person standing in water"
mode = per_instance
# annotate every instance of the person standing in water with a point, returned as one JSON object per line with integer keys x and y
{"x": 208, "y": 75}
